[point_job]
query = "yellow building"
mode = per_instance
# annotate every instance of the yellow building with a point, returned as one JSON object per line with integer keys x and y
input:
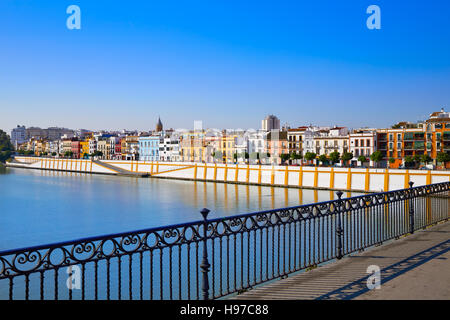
{"x": 227, "y": 147}
{"x": 41, "y": 147}
{"x": 193, "y": 147}
{"x": 84, "y": 146}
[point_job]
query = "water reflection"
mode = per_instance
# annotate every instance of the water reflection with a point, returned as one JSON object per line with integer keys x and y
{"x": 43, "y": 206}
{"x": 3, "y": 169}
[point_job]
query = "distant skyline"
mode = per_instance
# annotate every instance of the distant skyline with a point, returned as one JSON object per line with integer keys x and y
{"x": 229, "y": 64}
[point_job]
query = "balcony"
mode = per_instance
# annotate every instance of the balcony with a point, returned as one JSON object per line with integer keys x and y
{"x": 446, "y": 136}
{"x": 408, "y": 137}
{"x": 408, "y": 146}
{"x": 446, "y": 145}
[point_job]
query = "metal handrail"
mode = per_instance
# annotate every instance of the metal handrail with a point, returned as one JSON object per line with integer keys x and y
{"x": 318, "y": 232}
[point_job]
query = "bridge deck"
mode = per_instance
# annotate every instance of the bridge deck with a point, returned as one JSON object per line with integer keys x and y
{"x": 414, "y": 267}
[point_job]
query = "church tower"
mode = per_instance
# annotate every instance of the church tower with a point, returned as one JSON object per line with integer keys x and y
{"x": 159, "y": 125}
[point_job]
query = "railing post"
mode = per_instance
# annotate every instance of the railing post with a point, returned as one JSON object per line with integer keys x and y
{"x": 411, "y": 210}
{"x": 339, "y": 230}
{"x": 205, "y": 264}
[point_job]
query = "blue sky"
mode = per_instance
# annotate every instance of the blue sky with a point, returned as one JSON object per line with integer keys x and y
{"x": 228, "y": 63}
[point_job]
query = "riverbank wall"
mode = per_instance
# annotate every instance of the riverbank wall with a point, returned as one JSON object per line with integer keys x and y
{"x": 328, "y": 178}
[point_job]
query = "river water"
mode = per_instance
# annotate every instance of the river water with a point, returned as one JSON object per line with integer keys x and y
{"x": 40, "y": 207}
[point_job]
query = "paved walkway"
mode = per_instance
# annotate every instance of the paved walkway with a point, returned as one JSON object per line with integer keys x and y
{"x": 414, "y": 267}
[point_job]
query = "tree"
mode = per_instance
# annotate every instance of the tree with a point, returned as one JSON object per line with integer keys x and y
{"x": 293, "y": 156}
{"x": 443, "y": 157}
{"x": 425, "y": 158}
{"x": 323, "y": 158}
{"x": 68, "y": 154}
{"x": 376, "y": 157}
{"x": 391, "y": 160}
{"x": 346, "y": 157}
{"x": 6, "y": 147}
{"x": 53, "y": 153}
{"x": 417, "y": 158}
{"x": 97, "y": 154}
{"x": 409, "y": 161}
{"x": 310, "y": 156}
{"x": 362, "y": 159}
{"x": 284, "y": 157}
{"x": 334, "y": 157}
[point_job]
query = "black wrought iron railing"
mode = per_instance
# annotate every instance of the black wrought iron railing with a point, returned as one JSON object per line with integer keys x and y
{"x": 218, "y": 257}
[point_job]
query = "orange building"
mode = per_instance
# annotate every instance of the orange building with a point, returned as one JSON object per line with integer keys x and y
{"x": 408, "y": 140}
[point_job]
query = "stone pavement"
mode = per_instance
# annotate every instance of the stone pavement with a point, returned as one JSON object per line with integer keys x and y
{"x": 413, "y": 267}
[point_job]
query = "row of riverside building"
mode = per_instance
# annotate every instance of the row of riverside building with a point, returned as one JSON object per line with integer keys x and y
{"x": 269, "y": 145}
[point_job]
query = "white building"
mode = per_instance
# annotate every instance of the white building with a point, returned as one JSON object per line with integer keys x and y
{"x": 241, "y": 147}
{"x": 362, "y": 143}
{"x": 332, "y": 140}
{"x": 54, "y": 147}
{"x": 93, "y": 145}
{"x": 169, "y": 149}
{"x": 18, "y": 135}
{"x": 257, "y": 144}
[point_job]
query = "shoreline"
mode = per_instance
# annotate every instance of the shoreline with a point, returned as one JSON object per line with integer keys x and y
{"x": 190, "y": 179}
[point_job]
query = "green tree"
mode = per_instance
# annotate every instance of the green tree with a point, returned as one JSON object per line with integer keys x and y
{"x": 376, "y": 157}
{"x": 409, "y": 161}
{"x": 362, "y": 159}
{"x": 284, "y": 157}
{"x": 425, "y": 158}
{"x": 443, "y": 157}
{"x": 391, "y": 160}
{"x": 53, "y": 154}
{"x": 334, "y": 157}
{"x": 417, "y": 158}
{"x": 310, "y": 156}
{"x": 346, "y": 157}
{"x": 97, "y": 154}
{"x": 68, "y": 154}
{"x": 6, "y": 147}
{"x": 293, "y": 155}
{"x": 323, "y": 158}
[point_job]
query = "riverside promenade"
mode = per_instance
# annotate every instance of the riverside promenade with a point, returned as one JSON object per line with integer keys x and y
{"x": 413, "y": 267}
